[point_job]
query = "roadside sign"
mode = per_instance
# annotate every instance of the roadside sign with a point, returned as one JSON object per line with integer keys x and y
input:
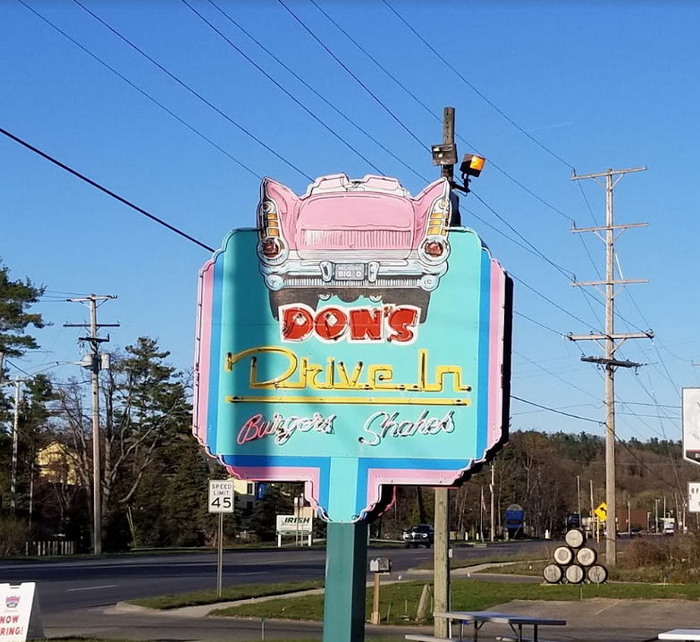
{"x": 19, "y": 613}
{"x": 691, "y": 424}
{"x": 694, "y": 497}
{"x": 221, "y": 496}
{"x": 290, "y": 524}
{"x": 602, "y": 512}
{"x": 323, "y": 359}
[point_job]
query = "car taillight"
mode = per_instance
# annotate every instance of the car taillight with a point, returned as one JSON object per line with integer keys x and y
{"x": 271, "y": 247}
{"x": 439, "y": 217}
{"x": 434, "y": 249}
{"x": 270, "y": 222}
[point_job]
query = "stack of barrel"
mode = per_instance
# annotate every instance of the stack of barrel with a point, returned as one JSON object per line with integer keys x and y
{"x": 575, "y": 563}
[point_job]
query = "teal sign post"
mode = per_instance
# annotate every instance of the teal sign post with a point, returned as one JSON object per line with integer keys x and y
{"x": 352, "y": 341}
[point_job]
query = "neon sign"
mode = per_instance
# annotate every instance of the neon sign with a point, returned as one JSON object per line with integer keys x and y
{"x": 352, "y": 352}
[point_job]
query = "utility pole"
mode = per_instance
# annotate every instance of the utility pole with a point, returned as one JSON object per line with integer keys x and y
{"x": 445, "y": 156}
{"x": 578, "y": 497}
{"x": 609, "y": 340}
{"x": 441, "y": 560}
{"x": 95, "y": 366}
{"x": 15, "y": 445}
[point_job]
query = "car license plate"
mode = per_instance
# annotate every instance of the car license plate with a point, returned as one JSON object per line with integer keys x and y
{"x": 350, "y": 271}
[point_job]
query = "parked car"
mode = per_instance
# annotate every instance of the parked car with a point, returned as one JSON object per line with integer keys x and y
{"x": 419, "y": 535}
{"x": 352, "y": 238}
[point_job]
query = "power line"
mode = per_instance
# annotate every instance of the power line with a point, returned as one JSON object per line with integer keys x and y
{"x": 427, "y": 109}
{"x": 327, "y": 127}
{"x": 534, "y": 249}
{"x": 193, "y": 92}
{"x": 353, "y": 76}
{"x": 144, "y": 93}
{"x": 542, "y": 325}
{"x": 107, "y": 191}
{"x": 554, "y": 410}
{"x": 551, "y": 374}
{"x": 649, "y": 470}
{"x": 546, "y": 298}
{"x": 408, "y": 91}
{"x": 319, "y": 95}
{"x": 641, "y": 403}
{"x": 16, "y": 367}
{"x": 476, "y": 90}
{"x": 567, "y": 273}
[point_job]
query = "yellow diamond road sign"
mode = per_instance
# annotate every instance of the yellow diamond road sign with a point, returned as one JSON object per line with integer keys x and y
{"x": 602, "y": 512}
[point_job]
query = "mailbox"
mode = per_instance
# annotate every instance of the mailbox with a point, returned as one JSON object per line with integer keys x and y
{"x": 380, "y": 565}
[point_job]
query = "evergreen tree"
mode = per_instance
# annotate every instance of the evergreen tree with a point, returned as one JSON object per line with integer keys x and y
{"x": 144, "y": 409}
{"x": 15, "y": 299}
{"x": 34, "y": 434}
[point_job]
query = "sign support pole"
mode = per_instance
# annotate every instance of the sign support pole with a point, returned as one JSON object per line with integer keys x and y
{"x": 346, "y": 572}
{"x": 221, "y": 499}
{"x": 376, "y": 617}
{"x": 220, "y": 557}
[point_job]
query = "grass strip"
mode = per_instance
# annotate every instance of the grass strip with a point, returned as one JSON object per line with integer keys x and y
{"x": 228, "y": 594}
{"x": 399, "y": 601}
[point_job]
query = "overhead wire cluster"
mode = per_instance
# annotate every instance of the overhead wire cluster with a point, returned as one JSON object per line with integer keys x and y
{"x": 511, "y": 232}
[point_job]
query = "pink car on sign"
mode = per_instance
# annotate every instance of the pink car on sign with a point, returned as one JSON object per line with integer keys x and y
{"x": 353, "y": 238}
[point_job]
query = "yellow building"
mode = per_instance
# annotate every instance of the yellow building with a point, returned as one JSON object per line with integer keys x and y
{"x": 57, "y": 464}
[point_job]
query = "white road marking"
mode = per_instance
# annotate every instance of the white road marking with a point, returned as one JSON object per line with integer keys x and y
{"x": 92, "y": 588}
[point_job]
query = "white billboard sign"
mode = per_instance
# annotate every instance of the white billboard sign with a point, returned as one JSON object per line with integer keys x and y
{"x": 221, "y": 496}
{"x": 290, "y": 524}
{"x": 691, "y": 424}
{"x": 694, "y": 497}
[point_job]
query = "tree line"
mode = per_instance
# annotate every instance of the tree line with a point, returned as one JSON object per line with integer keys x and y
{"x": 155, "y": 475}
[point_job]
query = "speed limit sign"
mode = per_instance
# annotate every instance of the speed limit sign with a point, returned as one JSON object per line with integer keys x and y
{"x": 221, "y": 496}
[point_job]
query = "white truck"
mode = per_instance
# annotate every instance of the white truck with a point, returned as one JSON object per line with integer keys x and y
{"x": 668, "y": 525}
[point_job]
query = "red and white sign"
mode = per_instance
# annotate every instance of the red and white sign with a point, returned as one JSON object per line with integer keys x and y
{"x": 16, "y": 609}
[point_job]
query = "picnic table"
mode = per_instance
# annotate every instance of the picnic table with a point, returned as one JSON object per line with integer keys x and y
{"x": 474, "y": 620}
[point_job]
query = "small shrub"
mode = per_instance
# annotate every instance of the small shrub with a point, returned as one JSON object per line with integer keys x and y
{"x": 645, "y": 552}
{"x": 672, "y": 559}
{"x": 13, "y": 536}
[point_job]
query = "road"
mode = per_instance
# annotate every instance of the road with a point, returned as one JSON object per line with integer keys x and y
{"x": 66, "y": 584}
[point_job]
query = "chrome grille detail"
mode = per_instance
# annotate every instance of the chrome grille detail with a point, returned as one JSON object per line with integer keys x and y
{"x": 355, "y": 239}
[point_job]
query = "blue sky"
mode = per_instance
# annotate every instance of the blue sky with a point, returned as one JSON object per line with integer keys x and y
{"x": 597, "y": 85}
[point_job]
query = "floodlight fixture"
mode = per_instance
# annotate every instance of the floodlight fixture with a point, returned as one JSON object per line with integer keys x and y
{"x": 472, "y": 165}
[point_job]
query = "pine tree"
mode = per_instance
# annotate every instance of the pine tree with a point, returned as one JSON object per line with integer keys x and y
{"x": 144, "y": 410}
{"x": 15, "y": 299}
